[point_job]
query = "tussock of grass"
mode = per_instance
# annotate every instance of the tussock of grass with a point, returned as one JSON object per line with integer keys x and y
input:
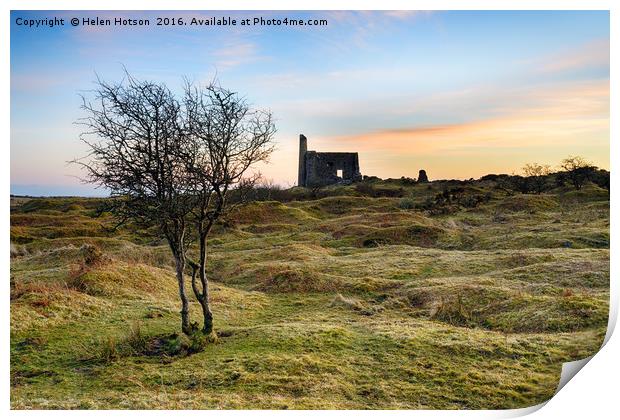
{"x": 347, "y": 303}
{"x": 268, "y": 212}
{"x": 17, "y": 250}
{"x": 353, "y": 304}
{"x": 26, "y": 227}
{"x": 41, "y": 205}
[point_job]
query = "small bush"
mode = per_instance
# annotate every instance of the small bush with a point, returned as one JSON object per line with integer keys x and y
{"x": 369, "y": 190}
{"x": 406, "y": 204}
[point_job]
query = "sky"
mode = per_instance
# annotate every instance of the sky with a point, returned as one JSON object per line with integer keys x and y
{"x": 458, "y": 93}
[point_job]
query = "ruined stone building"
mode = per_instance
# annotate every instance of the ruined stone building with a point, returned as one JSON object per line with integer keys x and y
{"x": 324, "y": 168}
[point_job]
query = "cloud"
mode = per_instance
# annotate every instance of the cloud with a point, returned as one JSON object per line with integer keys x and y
{"x": 235, "y": 54}
{"x": 406, "y": 14}
{"x": 332, "y": 80}
{"x": 539, "y": 123}
{"x": 594, "y": 54}
{"x": 560, "y": 119}
{"x": 350, "y": 30}
{"x": 362, "y": 16}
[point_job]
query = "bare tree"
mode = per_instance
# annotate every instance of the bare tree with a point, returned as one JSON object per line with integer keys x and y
{"x": 578, "y": 170}
{"x": 537, "y": 175}
{"x": 227, "y": 138}
{"x": 176, "y": 166}
{"x": 135, "y": 137}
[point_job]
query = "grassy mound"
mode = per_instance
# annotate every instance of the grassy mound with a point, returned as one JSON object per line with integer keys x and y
{"x": 268, "y": 212}
{"x": 37, "y": 305}
{"x": 72, "y": 204}
{"x": 341, "y": 205}
{"x": 527, "y": 203}
{"x": 588, "y": 194}
{"x": 121, "y": 279}
{"x": 288, "y": 279}
{"x": 417, "y": 235}
{"x": 270, "y": 228}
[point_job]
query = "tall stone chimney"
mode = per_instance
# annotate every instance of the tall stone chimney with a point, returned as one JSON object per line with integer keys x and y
{"x": 303, "y": 148}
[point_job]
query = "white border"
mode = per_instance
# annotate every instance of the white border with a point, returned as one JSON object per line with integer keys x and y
{"x": 592, "y": 394}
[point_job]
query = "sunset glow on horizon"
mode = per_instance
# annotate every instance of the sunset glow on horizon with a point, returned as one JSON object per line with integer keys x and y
{"x": 459, "y": 94}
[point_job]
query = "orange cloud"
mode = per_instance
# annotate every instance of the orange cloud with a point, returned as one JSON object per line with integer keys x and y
{"x": 559, "y": 121}
{"x": 553, "y": 123}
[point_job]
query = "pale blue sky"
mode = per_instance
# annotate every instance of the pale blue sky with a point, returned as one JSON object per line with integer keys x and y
{"x": 460, "y": 94}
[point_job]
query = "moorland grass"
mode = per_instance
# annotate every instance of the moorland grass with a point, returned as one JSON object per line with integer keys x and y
{"x": 340, "y": 302}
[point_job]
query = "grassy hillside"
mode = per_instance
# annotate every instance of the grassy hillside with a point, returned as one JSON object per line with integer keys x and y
{"x": 345, "y": 301}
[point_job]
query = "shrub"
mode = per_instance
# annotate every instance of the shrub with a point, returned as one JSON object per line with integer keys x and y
{"x": 136, "y": 343}
{"x": 405, "y": 180}
{"x": 406, "y": 204}
{"x": 601, "y": 178}
{"x": 182, "y": 345}
{"x": 365, "y": 189}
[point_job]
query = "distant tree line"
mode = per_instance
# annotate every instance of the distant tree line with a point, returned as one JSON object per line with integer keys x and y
{"x": 573, "y": 172}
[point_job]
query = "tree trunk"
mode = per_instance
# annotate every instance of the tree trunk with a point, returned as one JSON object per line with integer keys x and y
{"x": 207, "y": 316}
{"x": 180, "y": 266}
{"x": 204, "y": 298}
